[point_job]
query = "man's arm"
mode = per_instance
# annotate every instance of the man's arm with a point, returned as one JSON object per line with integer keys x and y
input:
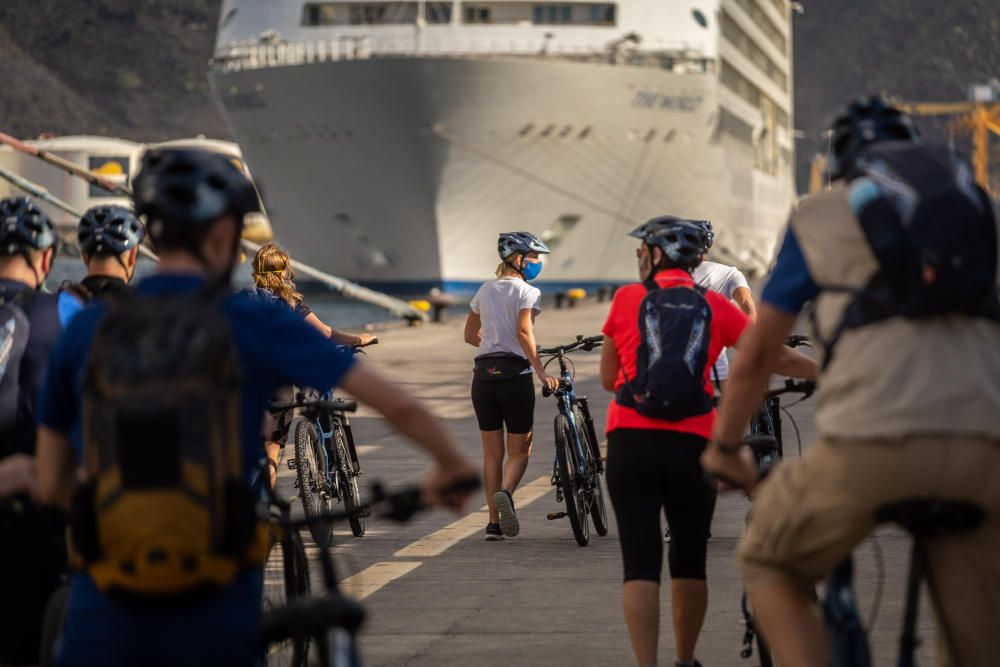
{"x": 17, "y": 475}
{"x": 411, "y": 418}
{"x": 55, "y": 465}
{"x": 744, "y": 299}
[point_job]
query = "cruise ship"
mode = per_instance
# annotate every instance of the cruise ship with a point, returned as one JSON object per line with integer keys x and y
{"x": 393, "y": 141}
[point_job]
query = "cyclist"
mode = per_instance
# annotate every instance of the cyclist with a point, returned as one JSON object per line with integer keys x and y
{"x": 730, "y": 283}
{"x": 501, "y": 327}
{"x": 273, "y": 273}
{"x": 273, "y": 281}
{"x": 109, "y": 238}
{"x": 658, "y": 425}
{"x": 34, "y": 553}
{"x": 194, "y": 202}
{"x": 907, "y": 405}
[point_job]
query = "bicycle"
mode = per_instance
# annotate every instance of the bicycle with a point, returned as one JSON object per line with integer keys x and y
{"x": 767, "y": 442}
{"x": 577, "y": 466}
{"x": 326, "y": 459}
{"x": 324, "y": 626}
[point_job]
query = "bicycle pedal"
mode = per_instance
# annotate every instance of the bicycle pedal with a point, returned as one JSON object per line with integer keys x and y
{"x": 552, "y": 516}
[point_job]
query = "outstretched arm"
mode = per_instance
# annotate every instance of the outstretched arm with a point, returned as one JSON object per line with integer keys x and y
{"x": 744, "y": 299}
{"x": 411, "y": 418}
{"x": 337, "y": 336}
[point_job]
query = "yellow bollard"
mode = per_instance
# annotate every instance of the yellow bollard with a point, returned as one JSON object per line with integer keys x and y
{"x": 575, "y": 294}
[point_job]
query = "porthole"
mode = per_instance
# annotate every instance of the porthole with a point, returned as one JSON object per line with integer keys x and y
{"x": 699, "y": 18}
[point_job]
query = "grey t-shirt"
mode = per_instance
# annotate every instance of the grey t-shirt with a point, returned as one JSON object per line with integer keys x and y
{"x": 498, "y": 304}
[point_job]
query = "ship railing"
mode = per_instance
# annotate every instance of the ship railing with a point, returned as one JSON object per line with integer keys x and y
{"x": 257, "y": 55}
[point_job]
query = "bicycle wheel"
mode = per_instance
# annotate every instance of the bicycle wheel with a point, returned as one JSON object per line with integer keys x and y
{"x": 598, "y": 508}
{"x": 308, "y": 464}
{"x": 348, "y": 481}
{"x": 573, "y": 494}
{"x": 286, "y": 577}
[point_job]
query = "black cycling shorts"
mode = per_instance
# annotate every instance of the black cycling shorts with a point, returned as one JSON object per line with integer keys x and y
{"x": 505, "y": 402}
{"x": 650, "y": 471}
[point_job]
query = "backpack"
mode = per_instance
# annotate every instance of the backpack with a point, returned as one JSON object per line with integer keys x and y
{"x": 931, "y": 228}
{"x": 674, "y": 334}
{"x": 15, "y": 330}
{"x": 165, "y": 510}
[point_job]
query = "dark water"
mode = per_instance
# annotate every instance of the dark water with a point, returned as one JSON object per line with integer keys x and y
{"x": 336, "y": 311}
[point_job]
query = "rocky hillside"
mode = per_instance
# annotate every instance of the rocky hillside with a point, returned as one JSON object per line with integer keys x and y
{"x": 136, "y": 68}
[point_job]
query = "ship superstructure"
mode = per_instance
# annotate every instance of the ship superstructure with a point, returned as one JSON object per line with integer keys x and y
{"x": 394, "y": 140}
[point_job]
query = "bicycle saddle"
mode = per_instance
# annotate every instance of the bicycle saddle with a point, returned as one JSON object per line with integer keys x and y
{"x": 932, "y": 517}
{"x": 311, "y": 616}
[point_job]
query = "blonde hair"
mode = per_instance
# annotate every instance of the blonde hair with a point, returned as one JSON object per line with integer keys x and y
{"x": 272, "y": 270}
{"x": 505, "y": 269}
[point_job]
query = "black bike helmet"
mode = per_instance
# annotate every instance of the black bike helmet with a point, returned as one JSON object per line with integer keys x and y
{"x": 512, "y": 243}
{"x": 24, "y": 227}
{"x": 866, "y": 121}
{"x": 109, "y": 230}
{"x": 184, "y": 191}
{"x": 682, "y": 241}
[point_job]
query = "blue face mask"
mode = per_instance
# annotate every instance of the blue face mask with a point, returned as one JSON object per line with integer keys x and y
{"x": 530, "y": 270}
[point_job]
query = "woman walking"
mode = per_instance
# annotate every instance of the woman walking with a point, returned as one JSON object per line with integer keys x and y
{"x": 501, "y": 325}
{"x": 659, "y": 423}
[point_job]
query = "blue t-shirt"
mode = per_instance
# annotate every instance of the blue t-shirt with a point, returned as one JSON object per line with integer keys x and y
{"x": 276, "y": 348}
{"x": 790, "y": 286}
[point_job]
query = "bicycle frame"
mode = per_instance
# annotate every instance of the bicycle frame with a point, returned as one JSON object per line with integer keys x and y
{"x": 566, "y": 398}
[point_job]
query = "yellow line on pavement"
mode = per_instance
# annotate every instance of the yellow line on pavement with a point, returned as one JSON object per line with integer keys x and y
{"x": 441, "y": 540}
{"x": 367, "y": 581}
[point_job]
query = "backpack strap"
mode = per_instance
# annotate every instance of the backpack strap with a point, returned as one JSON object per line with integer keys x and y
{"x": 79, "y": 290}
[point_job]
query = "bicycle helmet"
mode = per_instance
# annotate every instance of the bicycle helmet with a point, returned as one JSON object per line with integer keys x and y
{"x": 109, "y": 230}
{"x": 683, "y": 241}
{"x": 513, "y": 243}
{"x": 183, "y": 192}
{"x": 24, "y": 227}
{"x": 865, "y": 121}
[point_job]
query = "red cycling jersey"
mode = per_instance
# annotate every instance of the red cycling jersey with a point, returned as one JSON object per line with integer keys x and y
{"x": 622, "y": 326}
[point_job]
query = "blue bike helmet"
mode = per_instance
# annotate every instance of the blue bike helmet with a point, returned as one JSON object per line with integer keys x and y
{"x": 682, "y": 241}
{"x": 184, "y": 191}
{"x": 865, "y": 121}
{"x": 109, "y": 230}
{"x": 513, "y": 243}
{"x": 24, "y": 227}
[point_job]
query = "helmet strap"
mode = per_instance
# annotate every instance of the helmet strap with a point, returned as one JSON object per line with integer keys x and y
{"x": 519, "y": 272}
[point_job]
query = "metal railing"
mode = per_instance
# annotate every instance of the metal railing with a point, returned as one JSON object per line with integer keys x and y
{"x": 258, "y": 55}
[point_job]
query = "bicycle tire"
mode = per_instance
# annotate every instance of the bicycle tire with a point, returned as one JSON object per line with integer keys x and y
{"x": 348, "y": 481}
{"x": 307, "y": 471}
{"x": 576, "y": 504}
{"x": 289, "y": 556}
{"x": 598, "y": 507}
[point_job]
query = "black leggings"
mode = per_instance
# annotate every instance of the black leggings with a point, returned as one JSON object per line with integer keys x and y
{"x": 649, "y": 471}
{"x": 505, "y": 402}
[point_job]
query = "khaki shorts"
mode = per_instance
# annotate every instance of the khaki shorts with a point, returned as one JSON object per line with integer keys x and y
{"x": 811, "y": 513}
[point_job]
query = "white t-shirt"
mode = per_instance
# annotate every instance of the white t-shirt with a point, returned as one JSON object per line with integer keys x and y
{"x": 498, "y": 304}
{"x": 725, "y": 280}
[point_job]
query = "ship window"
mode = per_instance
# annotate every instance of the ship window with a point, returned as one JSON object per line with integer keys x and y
{"x": 477, "y": 14}
{"x": 736, "y": 36}
{"x": 553, "y": 14}
{"x": 699, "y": 18}
{"x": 601, "y": 14}
{"x": 438, "y": 12}
{"x": 318, "y": 14}
{"x": 757, "y": 15}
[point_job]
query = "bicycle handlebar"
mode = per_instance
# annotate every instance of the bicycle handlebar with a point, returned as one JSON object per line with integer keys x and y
{"x": 398, "y": 506}
{"x": 793, "y": 386}
{"x": 587, "y": 343}
{"x": 311, "y": 616}
{"x": 333, "y": 405}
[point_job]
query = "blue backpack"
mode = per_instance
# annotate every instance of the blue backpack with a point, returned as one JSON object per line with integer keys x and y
{"x": 674, "y": 333}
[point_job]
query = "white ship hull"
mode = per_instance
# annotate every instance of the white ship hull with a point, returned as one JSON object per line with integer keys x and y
{"x": 400, "y": 172}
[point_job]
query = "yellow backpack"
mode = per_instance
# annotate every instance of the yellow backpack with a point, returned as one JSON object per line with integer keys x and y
{"x": 165, "y": 509}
